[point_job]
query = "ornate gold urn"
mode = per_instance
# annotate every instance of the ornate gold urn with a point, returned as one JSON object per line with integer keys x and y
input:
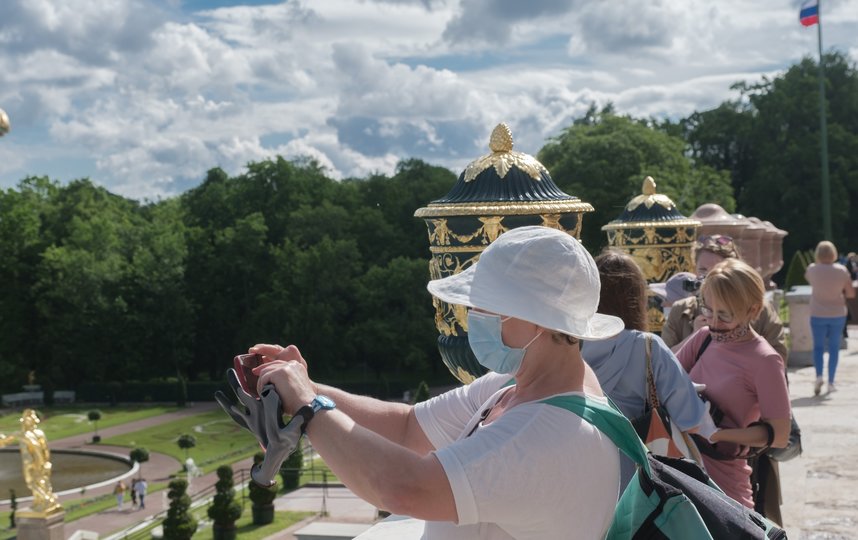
{"x": 495, "y": 193}
{"x": 653, "y": 231}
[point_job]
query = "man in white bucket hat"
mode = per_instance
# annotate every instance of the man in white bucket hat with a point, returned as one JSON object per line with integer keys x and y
{"x": 488, "y": 460}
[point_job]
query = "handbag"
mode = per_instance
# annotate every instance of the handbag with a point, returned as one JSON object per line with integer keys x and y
{"x": 667, "y": 498}
{"x": 655, "y": 427}
{"x": 793, "y": 449}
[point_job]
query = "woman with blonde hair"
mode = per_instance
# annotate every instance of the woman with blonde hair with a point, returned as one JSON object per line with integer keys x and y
{"x": 685, "y": 317}
{"x": 743, "y": 374}
{"x": 830, "y": 285}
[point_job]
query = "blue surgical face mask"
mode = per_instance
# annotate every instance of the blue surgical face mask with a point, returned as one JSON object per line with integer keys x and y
{"x": 484, "y": 336}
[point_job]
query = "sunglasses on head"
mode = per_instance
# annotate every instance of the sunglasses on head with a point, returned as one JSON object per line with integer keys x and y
{"x": 718, "y": 239}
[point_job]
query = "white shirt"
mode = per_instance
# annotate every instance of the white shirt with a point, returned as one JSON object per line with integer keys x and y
{"x": 536, "y": 472}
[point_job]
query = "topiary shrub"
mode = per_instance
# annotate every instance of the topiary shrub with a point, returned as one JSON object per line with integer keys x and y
{"x": 141, "y": 456}
{"x": 290, "y": 471}
{"x": 224, "y": 510}
{"x": 795, "y": 273}
{"x": 94, "y": 416}
{"x": 262, "y": 498}
{"x": 13, "y": 506}
{"x": 186, "y": 442}
{"x": 179, "y": 523}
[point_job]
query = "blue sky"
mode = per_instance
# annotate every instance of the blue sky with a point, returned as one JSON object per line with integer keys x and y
{"x": 144, "y": 96}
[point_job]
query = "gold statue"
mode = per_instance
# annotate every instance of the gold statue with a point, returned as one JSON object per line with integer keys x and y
{"x": 36, "y": 459}
{"x": 6, "y": 440}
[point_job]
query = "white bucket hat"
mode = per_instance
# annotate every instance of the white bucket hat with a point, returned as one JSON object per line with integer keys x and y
{"x": 536, "y": 274}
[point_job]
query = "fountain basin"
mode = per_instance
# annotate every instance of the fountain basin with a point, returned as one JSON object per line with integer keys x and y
{"x": 71, "y": 470}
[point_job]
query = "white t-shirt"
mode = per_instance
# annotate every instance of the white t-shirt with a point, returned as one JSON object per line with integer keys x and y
{"x": 536, "y": 472}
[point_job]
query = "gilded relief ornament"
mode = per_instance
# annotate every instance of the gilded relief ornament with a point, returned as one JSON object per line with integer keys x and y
{"x": 440, "y": 235}
{"x": 649, "y": 197}
{"x": 503, "y": 158}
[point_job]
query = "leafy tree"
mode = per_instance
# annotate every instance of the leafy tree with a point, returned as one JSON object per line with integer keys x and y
{"x": 311, "y": 299}
{"x": 23, "y": 238}
{"x": 78, "y": 293}
{"x": 160, "y": 319}
{"x": 179, "y": 523}
{"x": 414, "y": 185}
{"x": 392, "y": 328}
{"x": 721, "y": 138}
{"x": 603, "y": 159}
{"x": 786, "y": 143}
{"x": 769, "y": 139}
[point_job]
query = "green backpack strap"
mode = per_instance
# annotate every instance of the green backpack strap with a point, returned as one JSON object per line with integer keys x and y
{"x": 610, "y": 421}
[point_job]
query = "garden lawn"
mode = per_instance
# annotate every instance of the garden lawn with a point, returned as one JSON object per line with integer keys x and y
{"x": 219, "y": 440}
{"x": 62, "y": 422}
{"x": 5, "y": 532}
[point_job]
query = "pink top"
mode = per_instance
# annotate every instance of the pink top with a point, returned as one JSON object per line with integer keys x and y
{"x": 828, "y": 282}
{"x": 746, "y": 380}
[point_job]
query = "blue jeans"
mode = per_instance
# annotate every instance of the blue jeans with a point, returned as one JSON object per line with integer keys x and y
{"x": 827, "y": 332}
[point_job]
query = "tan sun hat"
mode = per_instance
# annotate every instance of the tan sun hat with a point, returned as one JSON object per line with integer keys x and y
{"x": 537, "y": 274}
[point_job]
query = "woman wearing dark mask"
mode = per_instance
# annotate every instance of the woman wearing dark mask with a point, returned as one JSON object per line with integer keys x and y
{"x": 743, "y": 374}
{"x": 488, "y": 460}
{"x": 685, "y": 317}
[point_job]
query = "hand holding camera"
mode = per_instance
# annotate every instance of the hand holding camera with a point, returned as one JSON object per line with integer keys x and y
{"x": 262, "y": 415}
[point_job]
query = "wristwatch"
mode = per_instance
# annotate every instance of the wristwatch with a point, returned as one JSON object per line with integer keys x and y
{"x": 309, "y": 410}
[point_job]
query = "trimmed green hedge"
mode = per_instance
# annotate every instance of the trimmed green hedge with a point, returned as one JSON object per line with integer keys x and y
{"x": 156, "y": 391}
{"x": 170, "y": 391}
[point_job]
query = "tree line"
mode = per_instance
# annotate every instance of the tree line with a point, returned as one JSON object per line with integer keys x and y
{"x": 97, "y": 287}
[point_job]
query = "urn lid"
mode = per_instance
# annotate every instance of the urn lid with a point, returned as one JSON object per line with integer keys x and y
{"x": 504, "y": 182}
{"x": 650, "y": 209}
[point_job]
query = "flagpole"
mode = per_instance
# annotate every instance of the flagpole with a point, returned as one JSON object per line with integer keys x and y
{"x": 826, "y": 186}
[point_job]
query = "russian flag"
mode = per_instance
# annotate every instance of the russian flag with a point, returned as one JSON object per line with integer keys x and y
{"x": 809, "y": 14}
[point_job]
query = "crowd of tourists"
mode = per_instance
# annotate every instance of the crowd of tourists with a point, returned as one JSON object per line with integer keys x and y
{"x": 525, "y": 451}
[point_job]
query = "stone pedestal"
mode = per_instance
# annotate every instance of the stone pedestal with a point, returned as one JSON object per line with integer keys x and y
{"x": 801, "y": 338}
{"x": 35, "y": 526}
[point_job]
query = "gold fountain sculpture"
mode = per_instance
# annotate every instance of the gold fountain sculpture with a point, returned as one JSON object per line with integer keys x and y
{"x": 36, "y": 463}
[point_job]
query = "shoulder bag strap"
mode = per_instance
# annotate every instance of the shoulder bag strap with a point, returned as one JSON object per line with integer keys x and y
{"x": 651, "y": 390}
{"x": 610, "y": 421}
{"x": 706, "y": 341}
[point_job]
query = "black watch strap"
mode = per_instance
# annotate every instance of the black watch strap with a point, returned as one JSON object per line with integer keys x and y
{"x": 308, "y": 413}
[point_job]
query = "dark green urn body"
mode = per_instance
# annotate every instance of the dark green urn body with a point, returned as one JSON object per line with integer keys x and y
{"x": 497, "y": 192}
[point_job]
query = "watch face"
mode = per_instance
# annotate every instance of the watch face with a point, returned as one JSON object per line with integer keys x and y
{"x": 323, "y": 402}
